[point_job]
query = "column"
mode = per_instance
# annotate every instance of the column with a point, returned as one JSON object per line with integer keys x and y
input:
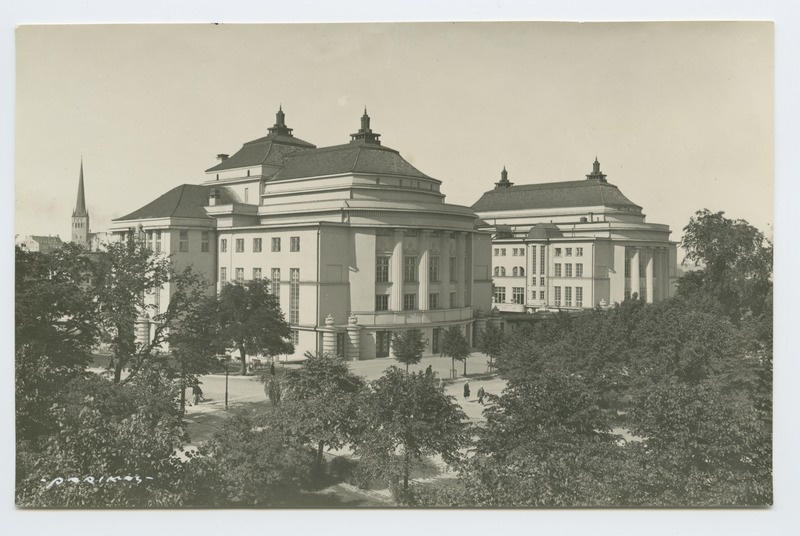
{"x": 396, "y": 273}
{"x": 142, "y": 329}
{"x": 665, "y": 272}
{"x": 353, "y": 347}
{"x": 462, "y": 281}
{"x": 424, "y": 266}
{"x": 648, "y": 274}
{"x": 329, "y": 337}
{"x": 635, "y": 285}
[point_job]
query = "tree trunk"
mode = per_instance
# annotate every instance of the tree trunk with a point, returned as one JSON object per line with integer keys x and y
{"x": 452, "y": 365}
{"x": 465, "y": 366}
{"x": 243, "y": 360}
{"x": 406, "y": 470}
{"x": 117, "y": 370}
{"x": 319, "y": 455}
{"x": 406, "y": 368}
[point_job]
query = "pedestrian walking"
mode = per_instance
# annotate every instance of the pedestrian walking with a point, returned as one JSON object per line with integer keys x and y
{"x": 466, "y": 390}
{"x": 197, "y": 393}
{"x": 481, "y": 394}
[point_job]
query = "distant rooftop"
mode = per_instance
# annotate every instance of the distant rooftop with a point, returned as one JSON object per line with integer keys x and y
{"x": 184, "y": 201}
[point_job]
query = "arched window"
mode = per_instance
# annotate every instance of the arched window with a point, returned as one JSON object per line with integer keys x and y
{"x": 521, "y": 271}
{"x": 515, "y": 271}
{"x": 496, "y": 270}
{"x": 502, "y": 271}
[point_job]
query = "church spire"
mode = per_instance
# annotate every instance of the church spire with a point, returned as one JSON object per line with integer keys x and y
{"x": 80, "y": 203}
{"x": 596, "y": 173}
{"x": 280, "y": 124}
{"x": 365, "y": 133}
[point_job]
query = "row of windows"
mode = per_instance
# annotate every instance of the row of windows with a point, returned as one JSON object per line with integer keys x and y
{"x": 568, "y": 252}
{"x": 568, "y": 296}
{"x": 294, "y": 244}
{"x": 153, "y": 239}
{"x": 520, "y": 252}
{"x": 516, "y": 271}
{"x": 568, "y": 270}
{"x": 410, "y": 301}
{"x": 275, "y": 285}
{"x": 410, "y": 272}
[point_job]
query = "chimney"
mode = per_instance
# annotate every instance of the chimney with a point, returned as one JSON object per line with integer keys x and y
{"x": 222, "y": 157}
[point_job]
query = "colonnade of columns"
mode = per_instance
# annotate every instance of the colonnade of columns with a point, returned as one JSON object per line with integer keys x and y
{"x": 655, "y": 287}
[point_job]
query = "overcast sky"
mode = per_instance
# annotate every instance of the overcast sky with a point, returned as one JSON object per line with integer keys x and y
{"x": 679, "y": 114}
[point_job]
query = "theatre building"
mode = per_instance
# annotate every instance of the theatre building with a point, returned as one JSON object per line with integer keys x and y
{"x": 356, "y": 242}
{"x": 573, "y": 245}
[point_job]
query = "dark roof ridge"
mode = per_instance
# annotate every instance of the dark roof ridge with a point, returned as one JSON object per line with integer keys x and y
{"x": 180, "y": 196}
{"x": 342, "y": 146}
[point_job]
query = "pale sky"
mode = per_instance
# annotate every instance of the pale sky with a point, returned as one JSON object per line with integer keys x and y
{"x": 680, "y": 115}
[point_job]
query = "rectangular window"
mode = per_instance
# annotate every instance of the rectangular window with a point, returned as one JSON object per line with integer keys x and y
{"x": 558, "y": 252}
{"x": 541, "y": 259}
{"x": 295, "y": 337}
{"x": 541, "y": 281}
{"x": 205, "y": 241}
{"x": 294, "y": 243}
{"x": 579, "y": 252}
{"x": 433, "y": 269}
{"x": 150, "y": 244}
{"x": 568, "y": 296}
{"x": 557, "y": 269}
{"x": 557, "y": 295}
{"x": 158, "y": 241}
{"x": 453, "y": 299}
{"x": 239, "y": 245}
{"x": 256, "y": 245}
{"x": 276, "y": 244}
{"x": 223, "y": 275}
{"x": 503, "y": 252}
{"x": 499, "y": 294}
{"x": 409, "y": 269}
{"x": 568, "y": 270}
{"x": 433, "y": 300}
{"x": 239, "y": 275}
{"x": 382, "y": 341}
{"x": 579, "y": 269}
{"x": 578, "y": 296}
{"x": 496, "y": 252}
{"x": 569, "y": 252}
{"x": 183, "y": 241}
{"x": 409, "y": 302}
{"x": 381, "y": 302}
{"x": 256, "y": 273}
{"x": 533, "y": 259}
{"x": 294, "y": 295}
{"x": 541, "y": 295}
{"x": 518, "y": 294}
{"x": 382, "y": 269}
{"x": 453, "y": 269}
{"x": 275, "y": 284}
{"x": 223, "y": 245}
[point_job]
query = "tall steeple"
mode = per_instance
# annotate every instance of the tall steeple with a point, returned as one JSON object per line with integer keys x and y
{"x": 596, "y": 173}
{"x": 280, "y": 124}
{"x": 503, "y": 182}
{"x": 365, "y": 133}
{"x": 80, "y": 216}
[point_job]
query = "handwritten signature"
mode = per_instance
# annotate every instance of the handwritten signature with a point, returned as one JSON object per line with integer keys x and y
{"x": 93, "y": 481}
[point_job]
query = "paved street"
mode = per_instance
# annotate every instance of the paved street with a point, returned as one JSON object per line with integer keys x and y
{"x": 208, "y": 416}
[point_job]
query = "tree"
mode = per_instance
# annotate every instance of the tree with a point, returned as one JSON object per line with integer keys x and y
{"x": 56, "y": 322}
{"x": 408, "y": 346}
{"x": 491, "y": 342}
{"x": 251, "y": 321}
{"x": 115, "y": 446}
{"x": 455, "y": 346}
{"x": 407, "y": 412}
{"x": 123, "y": 275}
{"x": 736, "y": 261}
{"x": 319, "y": 405}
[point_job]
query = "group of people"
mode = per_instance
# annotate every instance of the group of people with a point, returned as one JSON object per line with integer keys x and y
{"x": 481, "y": 392}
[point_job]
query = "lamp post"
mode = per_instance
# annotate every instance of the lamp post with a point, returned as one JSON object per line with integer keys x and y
{"x": 226, "y": 361}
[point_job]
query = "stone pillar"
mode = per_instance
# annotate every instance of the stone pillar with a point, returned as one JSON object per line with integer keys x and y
{"x": 329, "y": 337}
{"x": 353, "y": 346}
{"x": 462, "y": 279}
{"x": 396, "y": 273}
{"x": 635, "y": 284}
{"x": 142, "y": 329}
{"x": 424, "y": 265}
{"x": 648, "y": 274}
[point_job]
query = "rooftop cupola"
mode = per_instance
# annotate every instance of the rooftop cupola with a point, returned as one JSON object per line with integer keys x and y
{"x": 365, "y": 133}
{"x": 503, "y": 182}
{"x": 596, "y": 173}
{"x": 280, "y": 124}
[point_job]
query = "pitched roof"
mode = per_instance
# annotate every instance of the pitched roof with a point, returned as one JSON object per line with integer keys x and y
{"x": 354, "y": 157}
{"x": 52, "y": 240}
{"x": 272, "y": 149}
{"x": 184, "y": 201}
{"x": 583, "y": 193}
